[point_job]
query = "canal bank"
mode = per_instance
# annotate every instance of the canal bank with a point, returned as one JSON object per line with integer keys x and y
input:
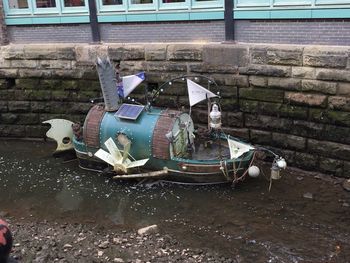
{"x": 294, "y": 99}
{"x": 61, "y": 213}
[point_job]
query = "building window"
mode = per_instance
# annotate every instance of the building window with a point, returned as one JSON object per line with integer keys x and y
{"x": 70, "y": 3}
{"x": 173, "y": 1}
{"x": 140, "y": 2}
{"x": 18, "y": 4}
{"x": 45, "y": 3}
{"x": 112, "y": 2}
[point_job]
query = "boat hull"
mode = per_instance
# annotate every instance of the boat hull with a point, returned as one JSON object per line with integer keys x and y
{"x": 179, "y": 171}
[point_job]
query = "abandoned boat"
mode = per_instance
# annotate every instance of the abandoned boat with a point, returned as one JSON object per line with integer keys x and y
{"x": 144, "y": 141}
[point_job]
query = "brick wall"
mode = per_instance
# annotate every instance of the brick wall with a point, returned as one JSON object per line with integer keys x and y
{"x": 316, "y": 31}
{"x": 70, "y": 33}
{"x": 3, "y": 31}
{"x": 319, "y": 32}
{"x": 294, "y": 99}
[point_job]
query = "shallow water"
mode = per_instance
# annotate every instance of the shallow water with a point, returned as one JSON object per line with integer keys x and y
{"x": 247, "y": 223}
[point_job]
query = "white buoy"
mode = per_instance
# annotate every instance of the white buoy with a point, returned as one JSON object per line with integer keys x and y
{"x": 253, "y": 171}
{"x": 282, "y": 164}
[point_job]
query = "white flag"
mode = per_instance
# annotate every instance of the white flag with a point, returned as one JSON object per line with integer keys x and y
{"x": 197, "y": 93}
{"x": 237, "y": 148}
{"x": 130, "y": 83}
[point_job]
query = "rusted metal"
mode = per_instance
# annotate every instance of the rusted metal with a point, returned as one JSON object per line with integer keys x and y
{"x": 92, "y": 126}
{"x": 160, "y": 144}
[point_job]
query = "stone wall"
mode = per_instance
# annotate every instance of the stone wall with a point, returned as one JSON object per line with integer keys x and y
{"x": 294, "y": 99}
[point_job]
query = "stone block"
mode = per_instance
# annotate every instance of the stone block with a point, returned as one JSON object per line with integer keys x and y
{"x": 12, "y": 131}
{"x": 40, "y": 106}
{"x": 257, "y": 81}
{"x": 306, "y": 161}
{"x": 259, "y": 94}
{"x": 126, "y": 52}
{"x": 225, "y": 54}
{"x": 156, "y": 52}
{"x": 303, "y": 72}
{"x": 228, "y": 104}
{"x": 333, "y": 74}
{"x": 31, "y": 64}
{"x": 42, "y": 51}
{"x": 4, "y": 63}
{"x": 34, "y": 73}
{"x": 284, "y": 83}
{"x": 277, "y": 55}
{"x": 319, "y": 86}
{"x": 55, "y": 64}
{"x": 166, "y": 66}
{"x": 346, "y": 170}
{"x": 228, "y": 91}
{"x": 336, "y": 134}
{"x": 269, "y": 123}
{"x": 39, "y": 95}
{"x": 27, "y": 83}
{"x": 266, "y": 70}
{"x": 185, "y": 52}
{"x": 3, "y": 106}
{"x": 129, "y": 67}
{"x": 296, "y": 98}
{"x": 307, "y": 129}
{"x": 65, "y": 52}
{"x": 344, "y": 89}
{"x": 274, "y": 109}
{"x": 330, "y": 116}
{"x": 8, "y": 73}
{"x": 200, "y": 116}
{"x": 330, "y": 149}
{"x": 72, "y": 85}
{"x": 36, "y": 131}
{"x": 242, "y": 133}
{"x": 332, "y": 166}
{"x": 8, "y": 118}
{"x": 208, "y": 68}
{"x": 13, "y": 52}
{"x": 260, "y": 137}
{"x": 339, "y": 103}
{"x": 88, "y": 54}
{"x": 288, "y": 141}
{"x": 78, "y": 107}
{"x": 19, "y": 106}
{"x": 28, "y": 118}
{"x": 89, "y": 85}
{"x": 336, "y": 57}
{"x": 233, "y": 119}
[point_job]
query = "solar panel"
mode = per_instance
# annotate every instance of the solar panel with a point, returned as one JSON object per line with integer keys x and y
{"x": 129, "y": 111}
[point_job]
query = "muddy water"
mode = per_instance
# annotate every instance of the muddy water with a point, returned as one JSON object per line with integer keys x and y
{"x": 302, "y": 219}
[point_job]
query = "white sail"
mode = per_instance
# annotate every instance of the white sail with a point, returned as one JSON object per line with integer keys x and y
{"x": 237, "y": 149}
{"x": 197, "y": 93}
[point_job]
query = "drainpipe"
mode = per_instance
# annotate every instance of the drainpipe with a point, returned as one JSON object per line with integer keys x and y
{"x": 229, "y": 22}
{"x": 95, "y": 31}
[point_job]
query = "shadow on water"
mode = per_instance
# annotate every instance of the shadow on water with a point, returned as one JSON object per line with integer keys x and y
{"x": 247, "y": 223}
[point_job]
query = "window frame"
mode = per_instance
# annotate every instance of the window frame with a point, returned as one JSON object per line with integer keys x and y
{"x": 17, "y": 11}
{"x": 101, "y": 8}
{"x": 46, "y": 10}
{"x": 74, "y": 9}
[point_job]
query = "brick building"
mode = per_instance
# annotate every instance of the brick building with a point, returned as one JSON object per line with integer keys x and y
{"x": 265, "y": 21}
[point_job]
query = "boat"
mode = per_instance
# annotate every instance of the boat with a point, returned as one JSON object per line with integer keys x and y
{"x": 135, "y": 140}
